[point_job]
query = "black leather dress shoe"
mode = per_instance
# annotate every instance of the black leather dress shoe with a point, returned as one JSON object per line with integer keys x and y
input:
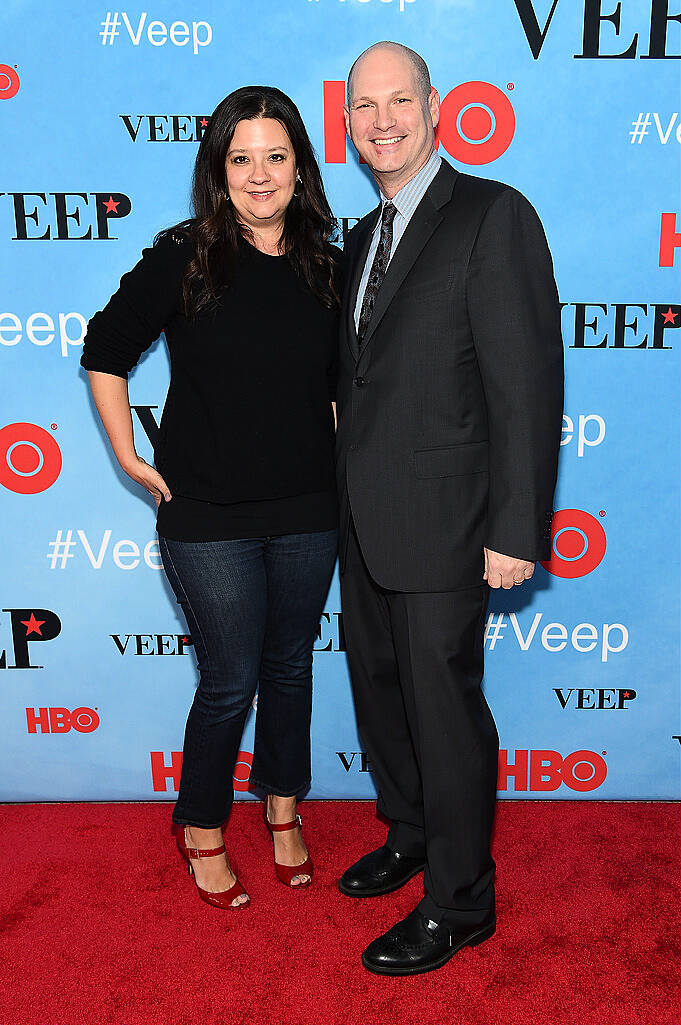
{"x": 417, "y": 945}
{"x": 379, "y": 872}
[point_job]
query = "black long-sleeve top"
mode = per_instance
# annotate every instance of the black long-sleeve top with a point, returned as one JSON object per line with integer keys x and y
{"x": 246, "y": 436}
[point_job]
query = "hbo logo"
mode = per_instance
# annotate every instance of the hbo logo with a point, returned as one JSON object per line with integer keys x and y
{"x": 60, "y": 720}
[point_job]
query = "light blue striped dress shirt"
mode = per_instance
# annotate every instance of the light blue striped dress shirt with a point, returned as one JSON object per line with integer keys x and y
{"x": 405, "y": 202}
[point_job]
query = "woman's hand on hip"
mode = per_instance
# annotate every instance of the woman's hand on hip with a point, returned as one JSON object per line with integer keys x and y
{"x": 150, "y": 479}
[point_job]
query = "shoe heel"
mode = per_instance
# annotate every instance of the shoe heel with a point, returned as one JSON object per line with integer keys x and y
{"x": 483, "y": 935}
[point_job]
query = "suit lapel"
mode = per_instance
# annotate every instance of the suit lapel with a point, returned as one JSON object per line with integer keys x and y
{"x": 423, "y": 223}
{"x": 361, "y": 249}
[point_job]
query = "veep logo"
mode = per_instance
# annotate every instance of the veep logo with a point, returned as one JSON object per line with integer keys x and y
{"x": 477, "y": 123}
{"x": 585, "y": 698}
{"x": 29, "y": 626}
{"x": 60, "y": 720}
{"x": 593, "y": 26}
{"x": 166, "y": 127}
{"x": 152, "y": 644}
{"x": 30, "y": 459}
{"x": 56, "y": 213}
{"x": 347, "y": 760}
{"x": 157, "y": 32}
{"x": 9, "y": 82}
{"x": 611, "y": 638}
{"x": 162, "y": 772}
{"x": 624, "y": 326}
{"x": 548, "y": 770}
{"x": 578, "y": 544}
{"x": 125, "y": 554}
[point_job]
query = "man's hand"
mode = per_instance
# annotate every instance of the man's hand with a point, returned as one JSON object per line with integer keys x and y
{"x": 505, "y": 571}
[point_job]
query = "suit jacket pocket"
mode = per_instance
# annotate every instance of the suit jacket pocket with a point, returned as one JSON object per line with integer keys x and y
{"x": 451, "y": 460}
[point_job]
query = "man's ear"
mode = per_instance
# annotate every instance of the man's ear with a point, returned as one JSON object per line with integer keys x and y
{"x": 346, "y": 115}
{"x": 434, "y": 106}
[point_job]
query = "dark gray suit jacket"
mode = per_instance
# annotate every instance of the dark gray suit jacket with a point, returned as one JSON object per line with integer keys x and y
{"x": 449, "y": 418}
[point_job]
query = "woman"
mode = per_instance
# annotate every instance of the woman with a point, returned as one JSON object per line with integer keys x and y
{"x": 247, "y": 294}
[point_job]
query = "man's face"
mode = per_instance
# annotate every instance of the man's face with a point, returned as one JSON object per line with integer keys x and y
{"x": 390, "y": 124}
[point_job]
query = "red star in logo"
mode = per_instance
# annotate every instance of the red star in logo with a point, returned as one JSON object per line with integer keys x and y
{"x": 33, "y": 625}
{"x": 627, "y": 694}
{"x": 203, "y": 122}
{"x": 670, "y": 316}
{"x": 186, "y": 640}
{"x": 110, "y": 205}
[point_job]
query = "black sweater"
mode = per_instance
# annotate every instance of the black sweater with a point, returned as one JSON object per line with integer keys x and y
{"x": 248, "y": 412}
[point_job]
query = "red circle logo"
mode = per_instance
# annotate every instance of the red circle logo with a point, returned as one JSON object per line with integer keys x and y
{"x": 477, "y": 123}
{"x": 9, "y": 82}
{"x": 30, "y": 459}
{"x": 578, "y": 544}
{"x": 84, "y": 720}
{"x": 242, "y": 770}
{"x": 584, "y": 770}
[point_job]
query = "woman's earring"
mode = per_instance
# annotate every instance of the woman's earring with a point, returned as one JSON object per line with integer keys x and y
{"x": 227, "y": 199}
{"x": 296, "y": 190}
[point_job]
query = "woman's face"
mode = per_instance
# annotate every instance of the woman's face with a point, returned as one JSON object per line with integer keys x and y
{"x": 261, "y": 172}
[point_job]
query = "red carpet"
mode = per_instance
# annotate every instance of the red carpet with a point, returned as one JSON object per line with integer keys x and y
{"x": 101, "y": 925}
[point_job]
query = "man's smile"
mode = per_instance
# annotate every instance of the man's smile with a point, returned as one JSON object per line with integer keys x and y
{"x": 389, "y": 142}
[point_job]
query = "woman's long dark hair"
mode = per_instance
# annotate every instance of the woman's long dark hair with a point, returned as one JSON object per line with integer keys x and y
{"x": 215, "y": 230}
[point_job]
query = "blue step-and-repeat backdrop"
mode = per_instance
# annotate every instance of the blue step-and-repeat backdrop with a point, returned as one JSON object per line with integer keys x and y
{"x": 575, "y": 103}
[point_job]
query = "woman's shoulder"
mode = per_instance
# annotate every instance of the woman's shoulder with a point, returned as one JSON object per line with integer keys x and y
{"x": 167, "y": 256}
{"x": 178, "y": 239}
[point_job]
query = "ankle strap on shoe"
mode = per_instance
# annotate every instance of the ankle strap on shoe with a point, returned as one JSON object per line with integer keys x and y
{"x": 281, "y": 827}
{"x": 196, "y": 852}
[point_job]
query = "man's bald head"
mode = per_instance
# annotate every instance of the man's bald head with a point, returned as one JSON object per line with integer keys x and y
{"x": 418, "y": 66}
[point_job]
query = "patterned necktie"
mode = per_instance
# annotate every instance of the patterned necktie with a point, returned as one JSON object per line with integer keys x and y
{"x": 378, "y": 268}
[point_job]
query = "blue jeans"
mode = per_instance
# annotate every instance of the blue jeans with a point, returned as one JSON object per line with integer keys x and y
{"x": 252, "y": 608}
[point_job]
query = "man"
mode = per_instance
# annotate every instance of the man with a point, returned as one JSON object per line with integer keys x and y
{"x": 449, "y": 402}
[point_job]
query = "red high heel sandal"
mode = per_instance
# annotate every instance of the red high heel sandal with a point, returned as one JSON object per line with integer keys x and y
{"x": 285, "y": 873}
{"x": 223, "y": 899}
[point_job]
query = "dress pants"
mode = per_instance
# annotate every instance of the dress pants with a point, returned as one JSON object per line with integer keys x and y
{"x": 416, "y": 663}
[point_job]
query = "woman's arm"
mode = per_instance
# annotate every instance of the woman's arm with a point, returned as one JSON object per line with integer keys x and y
{"x": 110, "y": 394}
{"x": 148, "y": 296}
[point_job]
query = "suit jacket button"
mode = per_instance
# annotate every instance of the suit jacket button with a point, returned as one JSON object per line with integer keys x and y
{"x": 359, "y": 381}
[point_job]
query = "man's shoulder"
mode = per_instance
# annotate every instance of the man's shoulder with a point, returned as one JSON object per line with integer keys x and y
{"x": 484, "y": 193}
{"x": 480, "y": 190}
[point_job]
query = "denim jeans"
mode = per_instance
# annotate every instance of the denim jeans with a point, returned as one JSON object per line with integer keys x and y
{"x": 252, "y": 608}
